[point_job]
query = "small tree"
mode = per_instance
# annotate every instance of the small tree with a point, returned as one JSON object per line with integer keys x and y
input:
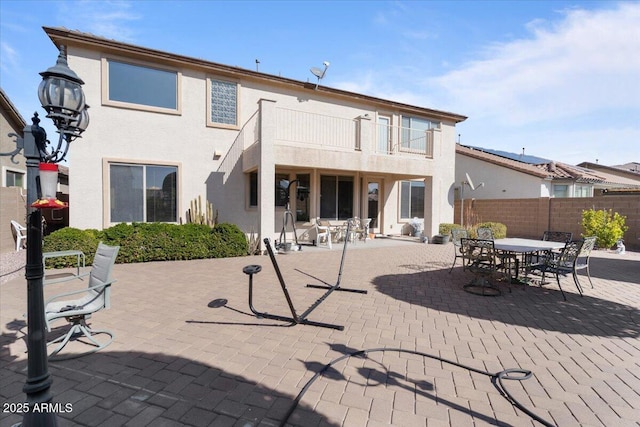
{"x": 607, "y": 226}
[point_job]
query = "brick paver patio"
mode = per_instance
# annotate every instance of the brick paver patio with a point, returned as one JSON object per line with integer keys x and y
{"x": 179, "y": 360}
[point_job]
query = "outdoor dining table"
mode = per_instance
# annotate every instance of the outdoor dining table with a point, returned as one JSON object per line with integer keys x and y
{"x": 525, "y": 249}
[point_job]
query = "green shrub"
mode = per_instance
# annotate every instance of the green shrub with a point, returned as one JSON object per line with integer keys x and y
{"x": 499, "y": 230}
{"x": 144, "y": 242}
{"x": 445, "y": 228}
{"x": 231, "y": 241}
{"x": 607, "y": 226}
{"x": 67, "y": 239}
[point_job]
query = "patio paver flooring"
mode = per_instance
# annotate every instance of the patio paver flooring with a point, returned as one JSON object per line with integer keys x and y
{"x": 176, "y": 361}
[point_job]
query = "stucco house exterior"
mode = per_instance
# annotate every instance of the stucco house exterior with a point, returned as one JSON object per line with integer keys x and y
{"x": 14, "y": 168}
{"x": 507, "y": 178}
{"x": 167, "y": 128}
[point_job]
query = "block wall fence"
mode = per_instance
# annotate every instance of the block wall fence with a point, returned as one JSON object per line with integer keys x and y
{"x": 531, "y": 217}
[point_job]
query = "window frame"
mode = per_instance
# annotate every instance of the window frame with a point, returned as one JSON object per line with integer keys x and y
{"x": 106, "y": 187}
{"x": 566, "y": 189}
{"x": 421, "y": 184}
{"x": 211, "y": 123}
{"x": 337, "y": 196}
{"x": 6, "y": 170}
{"x": 133, "y": 106}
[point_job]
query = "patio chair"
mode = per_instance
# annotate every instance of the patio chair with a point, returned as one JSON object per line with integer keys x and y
{"x": 456, "y": 235}
{"x": 574, "y": 257}
{"x": 358, "y": 229}
{"x": 582, "y": 263}
{"x": 320, "y": 233}
{"x": 479, "y": 257}
{"x": 20, "y": 233}
{"x": 485, "y": 233}
{"x": 95, "y": 297}
{"x": 550, "y": 236}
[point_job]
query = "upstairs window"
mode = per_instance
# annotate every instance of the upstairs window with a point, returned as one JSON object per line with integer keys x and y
{"x": 223, "y": 103}
{"x": 413, "y": 134}
{"x": 141, "y": 87}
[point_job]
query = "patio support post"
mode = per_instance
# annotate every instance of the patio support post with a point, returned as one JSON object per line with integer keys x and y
{"x": 267, "y": 169}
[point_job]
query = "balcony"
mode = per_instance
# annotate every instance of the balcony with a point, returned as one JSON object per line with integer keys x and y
{"x": 314, "y": 140}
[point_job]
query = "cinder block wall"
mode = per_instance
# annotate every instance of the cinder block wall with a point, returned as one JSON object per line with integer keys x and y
{"x": 13, "y": 207}
{"x": 531, "y": 217}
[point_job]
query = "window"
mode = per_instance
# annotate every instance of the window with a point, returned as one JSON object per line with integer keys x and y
{"x": 302, "y": 196}
{"x": 223, "y": 103}
{"x": 282, "y": 186}
{"x": 336, "y": 197}
{"x": 143, "y": 193}
{"x": 139, "y": 86}
{"x": 411, "y": 199}
{"x": 413, "y": 135}
{"x": 253, "y": 189}
{"x": 14, "y": 179}
{"x": 281, "y": 193}
{"x": 560, "y": 190}
{"x": 582, "y": 191}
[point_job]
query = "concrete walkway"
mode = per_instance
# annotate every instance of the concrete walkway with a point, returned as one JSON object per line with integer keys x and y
{"x": 182, "y": 359}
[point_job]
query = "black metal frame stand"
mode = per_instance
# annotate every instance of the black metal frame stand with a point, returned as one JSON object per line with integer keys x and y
{"x": 282, "y": 242}
{"x": 250, "y": 270}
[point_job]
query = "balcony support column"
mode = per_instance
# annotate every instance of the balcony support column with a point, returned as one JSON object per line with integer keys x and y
{"x": 267, "y": 169}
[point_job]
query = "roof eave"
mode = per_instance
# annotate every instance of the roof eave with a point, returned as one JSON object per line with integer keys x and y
{"x": 63, "y": 36}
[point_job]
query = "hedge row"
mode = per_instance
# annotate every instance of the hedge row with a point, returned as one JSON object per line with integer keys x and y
{"x": 499, "y": 229}
{"x": 144, "y": 242}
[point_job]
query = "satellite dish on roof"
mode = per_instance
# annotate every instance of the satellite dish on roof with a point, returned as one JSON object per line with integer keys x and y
{"x": 320, "y": 73}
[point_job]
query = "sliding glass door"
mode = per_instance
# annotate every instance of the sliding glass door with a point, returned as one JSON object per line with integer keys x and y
{"x": 336, "y": 197}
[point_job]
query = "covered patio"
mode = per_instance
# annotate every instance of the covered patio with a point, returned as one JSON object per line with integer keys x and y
{"x": 182, "y": 357}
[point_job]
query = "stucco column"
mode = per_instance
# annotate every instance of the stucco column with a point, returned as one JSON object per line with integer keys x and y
{"x": 267, "y": 169}
{"x": 365, "y": 134}
{"x": 431, "y": 208}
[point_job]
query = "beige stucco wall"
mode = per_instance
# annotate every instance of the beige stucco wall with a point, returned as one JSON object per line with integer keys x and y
{"x": 500, "y": 182}
{"x": 185, "y": 141}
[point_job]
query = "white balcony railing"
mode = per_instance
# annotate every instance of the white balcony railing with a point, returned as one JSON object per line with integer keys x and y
{"x": 299, "y": 127}
{"x": 401, "y": 140}
{"x": 337, "y": 133}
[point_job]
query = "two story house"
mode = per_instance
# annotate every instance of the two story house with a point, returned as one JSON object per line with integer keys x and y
{"x": 167, "y": 128}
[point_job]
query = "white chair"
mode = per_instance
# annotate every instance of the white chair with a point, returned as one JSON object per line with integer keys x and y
{"x": 95, "y": 297}
{"x": 20, "y": 235}
{"x": 320, "y": 233}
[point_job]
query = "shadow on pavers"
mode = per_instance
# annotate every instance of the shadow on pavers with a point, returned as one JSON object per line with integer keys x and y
{"x": 535, "y": 307}
{"x": 113, "y": 388}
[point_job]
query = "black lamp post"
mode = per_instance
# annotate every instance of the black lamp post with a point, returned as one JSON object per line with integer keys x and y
{"x": 61, "y": 95}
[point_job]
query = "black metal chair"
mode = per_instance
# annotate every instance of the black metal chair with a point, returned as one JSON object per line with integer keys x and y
{"x": 485, "y": 233}
{"x": 574, "y": 257}
{"x": 549, "y": 236}
{"x": 479, "y": 257}
{"x": 456, "y": 235}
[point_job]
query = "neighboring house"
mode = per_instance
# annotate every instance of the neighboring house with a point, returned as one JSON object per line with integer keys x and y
{"x": 167, "y": 128}
{"x": 13, "y": 180}
{"x": 508, "y": 178}
{"x": 14, "y": 169}
{"x": 627, "y": 171}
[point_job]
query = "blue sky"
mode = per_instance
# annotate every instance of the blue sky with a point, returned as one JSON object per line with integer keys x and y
{"x": 560, "y": 79}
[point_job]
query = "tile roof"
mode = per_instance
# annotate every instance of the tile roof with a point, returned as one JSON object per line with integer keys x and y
{"x": 551, "y": 170}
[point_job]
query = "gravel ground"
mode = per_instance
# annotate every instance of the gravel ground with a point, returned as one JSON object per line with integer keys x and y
{"x": 12, "y": 265}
